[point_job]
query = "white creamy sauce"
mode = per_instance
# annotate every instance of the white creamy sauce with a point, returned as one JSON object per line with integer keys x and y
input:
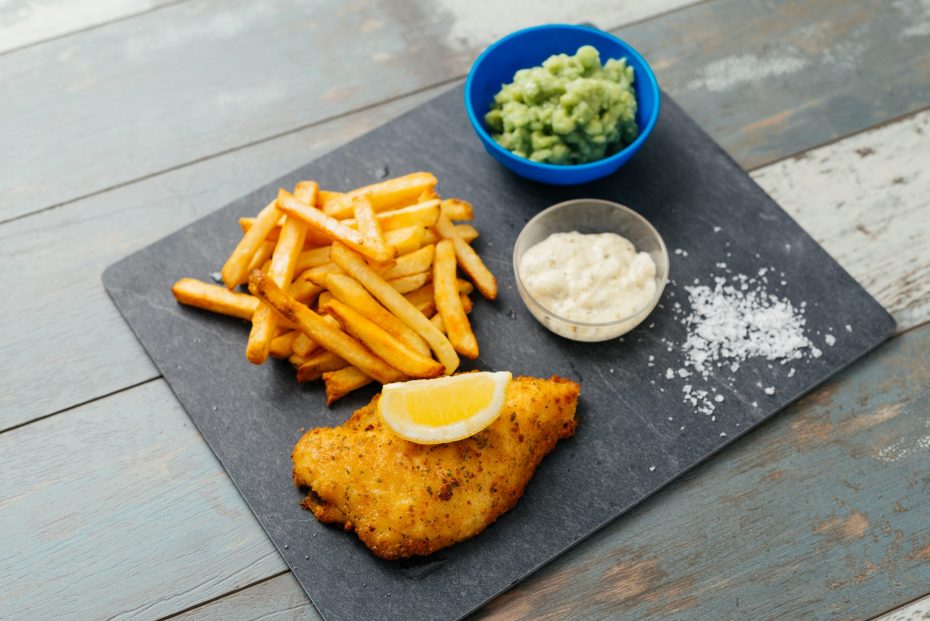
{"x": 589, "y": 278}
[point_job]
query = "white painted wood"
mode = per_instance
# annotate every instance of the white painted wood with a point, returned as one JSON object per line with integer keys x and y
{"x": 865, "y": 199}
{"x": 27, "y": 22}
{"x": 114, "y": 104}
{"x": 915, "y": 611}
{"x": 119, "y": 510}
{"x": 67, "y": 330}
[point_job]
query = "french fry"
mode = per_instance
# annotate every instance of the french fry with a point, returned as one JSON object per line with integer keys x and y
{"x": 406, "y": 284}
{"x": 303, "y": 345}
{"x": 448, "y": 302}
{"x": 325, "y": 299}
{"x": 413, "y": 263}
{"x": 436, "y": 319}
{"x": 282, "y": 346}
{"x": 326, "y": 196}
{"x": 421, "y": 213}
{"x": 342, "y": 382}
{"x": 466, "y": 231}
{"x": 314, "y": 257}
{"x": 348, "y": 291}
{"x": 395, "y": 302}
{"x": 321, "y": 331}
{"x": 384, "y": 195}
{"x": 469, "y": 260}
{"x": 262, "y": 256}
{"x": 235, "y": 270}
{"x": 296, "y": 360}
{"x": 334, "y": 229}
{"x": 317, "y": 275}
{"x": 290, "y": 243}
{"x": 305, "y": 291}
{"x": 214, "y": 298}
{"x": 313, "y": 240}
{"x": 366, "y": 220}
{"x": 396, "y": 353}
{"x": 316, "y": 365}
{"x": 457, "y": 209}
{"x": 406, "y": 239}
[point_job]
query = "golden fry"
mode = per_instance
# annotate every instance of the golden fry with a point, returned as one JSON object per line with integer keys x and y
{"x": 305, "y": 291}
{"x": 342, "y": 382}
{"x": 448, "y": 302}
{"x": 283, "y": 260}
{"x": 348, "y": 291}
{"x": 384, "y": 195}
{"x": 303, "y": 345}
{"x": 320, "y": 331}
{"x": 334, "y": 229}
{"x": 469, "y": 260}
{"x": 214, "y": 298}
{"x": 413, "y": 263}
{"x": 406, "y": 284}
{"x": 317, "y": 275}
{"x": 282, "y": 346}
{"x": 316, "y": 365}
{"x": 467, "y": 232}
{"x": 314, "y": 257}
{"x": 406, "y": 239}
{"x": 235, "y": 270}
{"x": 391, "y": 350}
{"x": 457, "y": 209}
{"x": 366, "y": 220}
{"x": 262, "y": 256}
{"x": 395, "y": 302}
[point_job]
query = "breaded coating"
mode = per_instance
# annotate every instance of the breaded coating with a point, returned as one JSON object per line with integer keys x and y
{"x": 405, "y": 499}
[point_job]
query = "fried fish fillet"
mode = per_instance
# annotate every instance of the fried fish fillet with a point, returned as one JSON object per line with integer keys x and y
{"x": 405, "y": 499}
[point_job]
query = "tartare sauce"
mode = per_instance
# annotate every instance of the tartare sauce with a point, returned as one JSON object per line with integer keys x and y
{"x": 595, "y": 278}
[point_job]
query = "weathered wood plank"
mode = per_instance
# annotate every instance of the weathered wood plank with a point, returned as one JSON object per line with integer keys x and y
{"x": 54, "y": 260}
{"x": 27, "y": 22}
{"x": 276, "y": 599}
{"x": 765, "y": 77}
{"x": 915, "y": 611}
{"x": 126, "y": 100}
{"x": 43, "y": 272}
{"x": 819, "y": 514}
{"x": 865, "y": 200}
{"x": 119, "y": 510}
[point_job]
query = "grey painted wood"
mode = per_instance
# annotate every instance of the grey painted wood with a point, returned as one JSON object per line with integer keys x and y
{"x": 55, "y": 258}
{"x": 172, "y": 516}
{"x": 130, "y": 99}
{"x": 277, "y": 599}
{"x": 820, "y": 514}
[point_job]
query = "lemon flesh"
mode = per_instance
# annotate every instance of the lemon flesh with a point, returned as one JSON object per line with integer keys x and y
{"x": 445, "y": 409}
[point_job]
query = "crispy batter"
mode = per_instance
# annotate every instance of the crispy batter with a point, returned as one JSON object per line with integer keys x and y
{"x": 405, "y": 499}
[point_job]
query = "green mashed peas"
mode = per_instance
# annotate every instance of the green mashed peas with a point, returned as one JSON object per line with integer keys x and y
{"x": 571, "y": 110}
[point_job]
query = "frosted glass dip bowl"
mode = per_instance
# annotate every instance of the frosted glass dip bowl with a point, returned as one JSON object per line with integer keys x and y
{"x": 588, "y": 215}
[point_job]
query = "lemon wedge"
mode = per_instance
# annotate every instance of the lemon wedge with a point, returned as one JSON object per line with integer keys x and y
{"x": 444, "y": 409}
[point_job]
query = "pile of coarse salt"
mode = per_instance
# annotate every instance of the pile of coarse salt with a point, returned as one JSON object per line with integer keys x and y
{"x": 729, "y": 323}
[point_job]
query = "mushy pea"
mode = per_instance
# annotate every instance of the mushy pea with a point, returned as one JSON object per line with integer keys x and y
{"x": 571, "y": 110}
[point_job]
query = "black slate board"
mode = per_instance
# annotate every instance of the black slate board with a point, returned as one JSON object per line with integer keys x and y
{"x": 626, "y": 447}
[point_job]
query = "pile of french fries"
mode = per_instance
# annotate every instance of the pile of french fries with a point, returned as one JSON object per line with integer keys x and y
{"x": 354, "y": 287}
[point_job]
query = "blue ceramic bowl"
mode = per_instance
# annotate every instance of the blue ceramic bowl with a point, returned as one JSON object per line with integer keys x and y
{"x": 529, "y": 48}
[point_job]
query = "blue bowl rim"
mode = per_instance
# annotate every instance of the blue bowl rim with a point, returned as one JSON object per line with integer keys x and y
{"x": 652, "y": 85}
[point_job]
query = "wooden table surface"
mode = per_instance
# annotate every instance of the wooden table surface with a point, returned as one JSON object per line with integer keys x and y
{"x": 125, "y": 120}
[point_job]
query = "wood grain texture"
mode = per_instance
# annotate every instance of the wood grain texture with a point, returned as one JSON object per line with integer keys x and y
{"x": 119, "y": 510}
{"x": 276, "y": 599}
{"x": 865, "y": 200}
{"x": 770, "y": 528}
{"x": 204, "y": 76}
{"x": 765, "y": 77}
{"x": 56, "y": 258}
{"x": 43, "y": 272}
{"x": 27, "y": 22}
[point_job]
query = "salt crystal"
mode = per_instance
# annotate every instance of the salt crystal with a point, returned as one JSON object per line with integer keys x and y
{"x": 830, "y": 340}
{"x": 755, "y": 404}
{"x": 652, "y": 468}
{"x": 719, "y": 398}
{"x": 770, "y": 390}
{"x": 651, "y": 357}
{"x": 762, "y": 271}
{"x": 717, "y": 229}
{"x": 669, "y": 374}
{"x": 791, "y": 372}
{"x": 848, "y": 328}
{"x": 723, "y": 434}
